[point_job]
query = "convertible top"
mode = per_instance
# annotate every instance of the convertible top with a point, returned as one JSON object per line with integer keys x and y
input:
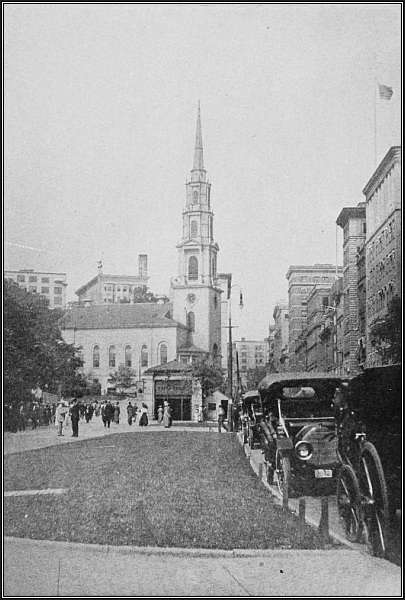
{"x": 278, "y": 380}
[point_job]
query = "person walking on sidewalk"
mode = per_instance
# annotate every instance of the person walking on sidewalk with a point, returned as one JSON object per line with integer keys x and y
{"x": 60, "y": 416}
{"x": 75, "y": 417}
{"x": 130, "y": 412}
{"x": 160, "y": 415}
{"x": 221, "y": 418}
{"x": 117, "y": 413}
{"x": 109, "y": 413}
{"x": 143, "y": 421}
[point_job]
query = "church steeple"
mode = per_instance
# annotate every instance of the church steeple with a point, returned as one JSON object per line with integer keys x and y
{"x": 198, "y": 164}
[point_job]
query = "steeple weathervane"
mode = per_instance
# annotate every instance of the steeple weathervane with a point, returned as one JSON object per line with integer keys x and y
{"x": 198, "y": 164}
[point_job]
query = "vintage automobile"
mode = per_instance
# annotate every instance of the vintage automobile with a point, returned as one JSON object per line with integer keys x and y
{"x": 251, "y": 415}
{"x": 369, "y": 482}
{"x": 298, "y": 430}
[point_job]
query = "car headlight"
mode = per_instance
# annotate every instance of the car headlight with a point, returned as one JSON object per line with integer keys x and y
{"x": 303, "y": 450}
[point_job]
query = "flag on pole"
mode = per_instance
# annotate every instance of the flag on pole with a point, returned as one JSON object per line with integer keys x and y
{"x": 385, "y": 91}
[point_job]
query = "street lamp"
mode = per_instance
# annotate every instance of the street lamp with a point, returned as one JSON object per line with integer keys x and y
{"x": 230, "y": 351}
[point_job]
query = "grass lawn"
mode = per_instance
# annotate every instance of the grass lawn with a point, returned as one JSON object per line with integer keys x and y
{"x": 181, "y": 489}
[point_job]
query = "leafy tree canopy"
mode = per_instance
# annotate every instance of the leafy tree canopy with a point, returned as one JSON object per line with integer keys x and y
{"x": 122, "y": 379}
{"x": 209, "y": 375}
{"x": 142, "y": 294}
{"x": 35, "y": 354}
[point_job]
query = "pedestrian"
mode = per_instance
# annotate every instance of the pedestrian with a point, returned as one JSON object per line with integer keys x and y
{"x": 200, "y": 414}
{"x": 221, "y": 418}
{"x": 82, "y": 410}
{"x": 135, "y": 411}
{"x": 109, "y": 413}
{"x": 75, "y": 417}
{"x": 160, "y": 415}
{"x": 130, "y": 412}
{"x": 35, "y": 415}
{"x": 60, "y": 416}
{"x": 21, "y": 417}
{"x": 117, "y": 413}
{"x": 167, "y": 414}
{"x": 143, "y": 421}
{"x": 103, "y": 413}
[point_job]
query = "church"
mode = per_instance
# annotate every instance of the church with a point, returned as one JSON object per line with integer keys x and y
{"x": 160, "y": 341}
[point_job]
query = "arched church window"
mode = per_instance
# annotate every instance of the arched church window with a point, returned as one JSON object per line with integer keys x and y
{"x": 215, "y": 301}
{"x": 96, "y": 357}
{"x": 193, "y": 268}
{"x": 128, "y": 356}
{"x": 215, "y": 351}
{"x": 191, "y": 321}
{"x": 144, "y": 356}
{"x": 195, "y": 196}
{"x": 163, "y": 354}
{"x": 111, "y": 356}
{"x": 193, "y": 229}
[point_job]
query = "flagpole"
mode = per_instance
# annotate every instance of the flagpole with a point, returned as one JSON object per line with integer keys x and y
{"x": 375, "y": 122}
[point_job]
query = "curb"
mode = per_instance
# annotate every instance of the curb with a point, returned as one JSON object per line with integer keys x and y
{"x": 337, "y": 537}
{"x": 156, "y": 550}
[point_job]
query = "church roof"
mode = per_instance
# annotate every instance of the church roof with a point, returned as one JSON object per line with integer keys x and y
{"x": 119, "y": 316}
{"x": 192, "y": 349}
{"x": 170, "y": 367}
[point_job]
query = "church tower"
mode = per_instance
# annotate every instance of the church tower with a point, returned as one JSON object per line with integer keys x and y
{"x": 195, "y": 293}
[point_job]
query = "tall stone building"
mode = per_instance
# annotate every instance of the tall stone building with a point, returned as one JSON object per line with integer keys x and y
{"x": 319, "y": 347}
{"x": 383, "y": 242}
{"x": 301, "y": 279}
{"x": 281, "y": 325}
{"x": 195, "y": 293}
{"x": 353, "y": 222}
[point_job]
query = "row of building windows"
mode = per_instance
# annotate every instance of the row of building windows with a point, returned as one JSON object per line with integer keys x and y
{"x": 128, "y": 358}
{"x": 380, "y": 300}
{"x": 44, "y": 290}
{"x": 384, "y": 266}
{"x": 33, "y": 279}
{"x": 376, "y": 247}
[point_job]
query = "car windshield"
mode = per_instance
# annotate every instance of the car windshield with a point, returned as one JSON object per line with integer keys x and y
{"x": 304, "y": 402}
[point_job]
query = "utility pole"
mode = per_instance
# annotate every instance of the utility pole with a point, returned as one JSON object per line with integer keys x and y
{"x": 230, "y": 365}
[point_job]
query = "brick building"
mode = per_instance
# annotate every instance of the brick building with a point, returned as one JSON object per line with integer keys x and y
{"x": 319, "y": 348}
{"x": 353, "y": 222}
{"x": 383, "y": 242}
{"x": 114, "y": 289}
{"x": 301, "y": 279}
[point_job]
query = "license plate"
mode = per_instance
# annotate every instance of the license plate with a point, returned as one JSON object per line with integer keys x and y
{"x": 319, "y": 473}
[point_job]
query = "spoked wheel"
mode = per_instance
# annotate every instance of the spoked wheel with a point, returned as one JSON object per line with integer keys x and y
{"x": 269, "y": 472}
{"x": 283, "y": 475}
{"x": 374, "y": 499}
{"x": 348, "y": 501}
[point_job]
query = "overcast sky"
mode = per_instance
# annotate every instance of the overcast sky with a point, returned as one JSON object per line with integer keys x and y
{"x": 100, "y": 111}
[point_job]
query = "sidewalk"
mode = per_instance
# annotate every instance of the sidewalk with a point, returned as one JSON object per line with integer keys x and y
{"x": 50, "y": 569}
{"x": 47, "y": 436}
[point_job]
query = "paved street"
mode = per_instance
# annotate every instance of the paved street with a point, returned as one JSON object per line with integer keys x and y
{"x": 67, "y": 569}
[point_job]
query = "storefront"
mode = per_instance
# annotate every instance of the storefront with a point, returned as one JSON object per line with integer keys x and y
{"x": 177, "y": 392}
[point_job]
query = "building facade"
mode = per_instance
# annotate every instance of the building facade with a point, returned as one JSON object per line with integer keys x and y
{"x": 133, "y": 335}
{"x": 224, "y": 281}
{"x": 353, "y": 222}
{"x": 301, "y": 279}
{"x": 383, "y": 243}
{"x": 114, "y": 289}
{"x": 281, "y": 327}
{"x": 250, "y": 355}
{"x": 319, "y": 347}
{"x": 50, "y": 286}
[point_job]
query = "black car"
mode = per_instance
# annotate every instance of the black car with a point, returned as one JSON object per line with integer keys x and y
{"x": 298, "y": 430}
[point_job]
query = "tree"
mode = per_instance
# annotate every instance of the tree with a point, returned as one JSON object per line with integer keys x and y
{"x": 254, "y": 377}
{"x": 142, "y": 294}
{"x": 209, "y": 376}
{"x": 386, "y": 334}
{"x": 35, "y": 354}
{"x": 122, "y": 379}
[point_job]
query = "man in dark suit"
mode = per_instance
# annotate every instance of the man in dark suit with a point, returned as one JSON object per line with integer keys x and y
{"x": 75, "y": 417}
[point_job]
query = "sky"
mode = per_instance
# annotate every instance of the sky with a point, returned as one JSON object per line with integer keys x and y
{"x": 100, "y": 106}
